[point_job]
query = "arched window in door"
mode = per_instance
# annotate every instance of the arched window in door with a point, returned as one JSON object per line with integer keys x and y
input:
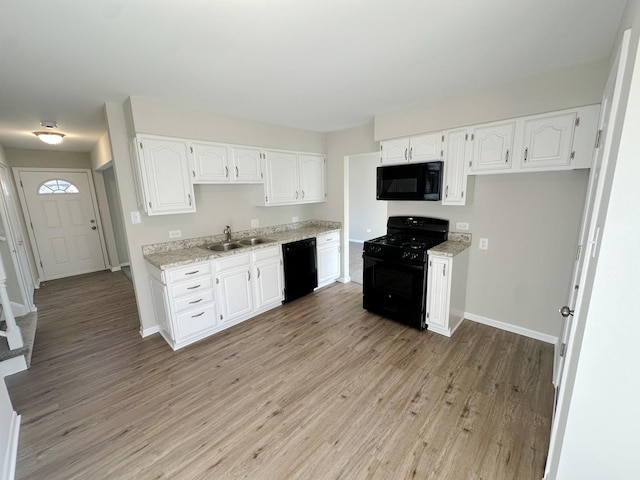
{"x": 57, "y": 186}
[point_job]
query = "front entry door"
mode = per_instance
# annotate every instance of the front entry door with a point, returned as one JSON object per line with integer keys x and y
{"x": 60, "y": 206}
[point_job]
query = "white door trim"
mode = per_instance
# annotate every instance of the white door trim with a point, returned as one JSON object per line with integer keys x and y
{"x": 27, "y": 215}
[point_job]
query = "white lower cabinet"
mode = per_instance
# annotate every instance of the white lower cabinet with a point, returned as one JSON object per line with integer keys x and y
{"x": 233, "y": 285}
{"x": 328, "y": 258}
{"x": 249, "y": 284}
{"x": 268, "y": 277}
{"x": 446, "y": 292}
{"x": 197, "y": 300}
{"x": 184, "y": 302}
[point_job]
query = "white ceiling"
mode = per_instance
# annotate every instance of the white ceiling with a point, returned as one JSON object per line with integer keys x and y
{"x": 321, "y": 65}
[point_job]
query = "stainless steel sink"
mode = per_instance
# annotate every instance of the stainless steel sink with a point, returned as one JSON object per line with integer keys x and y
{"x": 254, "y": 241}
{"x": 223, "y": 247}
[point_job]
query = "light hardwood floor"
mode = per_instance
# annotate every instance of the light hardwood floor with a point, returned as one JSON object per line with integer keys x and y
{"x": 315, "y": 389}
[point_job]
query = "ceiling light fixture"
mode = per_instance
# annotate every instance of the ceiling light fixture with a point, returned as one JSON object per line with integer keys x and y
{"x": 50, "y": 138}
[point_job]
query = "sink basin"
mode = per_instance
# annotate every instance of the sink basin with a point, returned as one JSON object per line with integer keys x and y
{"x": 254, "y": 241}
{"x": 223, "y": 247}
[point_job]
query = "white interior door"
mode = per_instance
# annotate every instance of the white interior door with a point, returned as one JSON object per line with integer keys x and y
{"x": 584, "y": 269}
{"x": 61, "y": 208}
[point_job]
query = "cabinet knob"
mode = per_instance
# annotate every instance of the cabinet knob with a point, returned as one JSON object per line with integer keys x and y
{"x": 566, "y": 311}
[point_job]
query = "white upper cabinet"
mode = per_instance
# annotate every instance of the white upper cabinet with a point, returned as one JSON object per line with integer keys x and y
{"x": 292, "y": 178}
{"x": 311, "y": 177}
{"x": 548, "y": 141}
{"x": 222, "y": 163}
{"x": 492, "y": 147}
{"x": 210, "y": 162}
{"x": 419, "y": 148}
{"x": 164, "y": 175}
{"x": 281, "y": 184}
{"x": 394, "y": 151}
{"x": 247, "y": 164}
{"x": 426, "y": 148}
{"x": 455, "y": 167}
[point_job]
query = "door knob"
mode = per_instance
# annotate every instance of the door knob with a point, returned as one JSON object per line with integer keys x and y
{"x": 566, "y": 311}
{"x": 94, "y": 228}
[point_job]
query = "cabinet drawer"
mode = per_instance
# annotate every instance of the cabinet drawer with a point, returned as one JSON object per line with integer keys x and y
{"x": 197, "y": 285}
{"x": 190, "y": 271}
{"x": 194, "y": 301}
{"x": 196, "y": 321}
{"x": 266, "y": 253}
{"x": 333, "y": 237}
{"x": 233, "y": 261}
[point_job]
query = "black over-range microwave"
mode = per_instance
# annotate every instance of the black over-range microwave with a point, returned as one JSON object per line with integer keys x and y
{"x": 411, "y": 181}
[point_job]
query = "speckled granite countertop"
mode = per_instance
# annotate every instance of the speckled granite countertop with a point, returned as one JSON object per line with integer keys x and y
{"x": 183, "y": 252}
{"x": 456, "y": 244}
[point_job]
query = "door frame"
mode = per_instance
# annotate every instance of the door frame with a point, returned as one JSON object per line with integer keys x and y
{"x": 17, "y": 246}
{"x": 27, "y": 214}
{"x": 589, "y": 257}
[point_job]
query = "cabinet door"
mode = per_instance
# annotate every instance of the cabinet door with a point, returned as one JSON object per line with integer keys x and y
{"x": 328, "y": 263}
{"x": 246, "y": 165}
{"x": 394, "y": 151}
{"x": 455, "y": 167}
{"x": 438, "y": 292}
{"x": 311, "y": 178}
{"x": 210, "y": 163}
{"x": 167, "y": 175}
{"x": 492, "y": 147}
{"x": 425, "y": 148}
{"x": 548, "y": 141}
{"x": 236, "y": 296}
{"x": 281, "y": 182}
{"x": 268, "y": 282}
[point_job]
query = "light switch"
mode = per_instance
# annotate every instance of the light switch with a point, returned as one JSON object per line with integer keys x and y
{"x": 135, "y": 217}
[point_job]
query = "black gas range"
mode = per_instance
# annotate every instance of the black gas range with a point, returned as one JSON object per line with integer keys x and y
{"x": 395, "y": 268}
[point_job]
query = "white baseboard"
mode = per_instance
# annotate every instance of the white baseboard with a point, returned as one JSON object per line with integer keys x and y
{"x": 12, "y": 365}
{"x": 511, "y": 328}
{"x": 125, "y": 264}
{"x": 115, "y": 269}
{"x": 346, "y": 279}
{"x": 356, "y": 241}
{"x": 145, "y": 332}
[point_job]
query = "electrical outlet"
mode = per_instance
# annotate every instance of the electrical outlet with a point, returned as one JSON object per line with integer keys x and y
{"x": 462, "y": 226}
{"x": 255, "y": 223}
{"x": 484, "y": 244}
{"x": 135, "y": 217}
{"x": 175, "y": 233}
{"x": 294, "y": 219}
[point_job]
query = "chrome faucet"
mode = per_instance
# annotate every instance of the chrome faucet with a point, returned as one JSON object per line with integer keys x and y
{"x": 227, "y": 233}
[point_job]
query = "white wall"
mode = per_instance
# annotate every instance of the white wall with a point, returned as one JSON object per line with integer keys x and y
{"x": 217, "y": 205}
{"x": 367, "y": 216}
{"x": 532, "y": 220}
{"x": 564, "y": 88}
{"x": 602, "y": 436}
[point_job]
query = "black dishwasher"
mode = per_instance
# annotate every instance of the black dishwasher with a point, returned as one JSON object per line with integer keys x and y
{"x": 300, "y": 270}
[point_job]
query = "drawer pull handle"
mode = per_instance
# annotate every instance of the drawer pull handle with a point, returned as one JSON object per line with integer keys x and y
{"x": 196, "y": 301}
{"x": 194, "y": 287}
{"x": 198, "y": 315}
{"x": 192, "y": 273}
